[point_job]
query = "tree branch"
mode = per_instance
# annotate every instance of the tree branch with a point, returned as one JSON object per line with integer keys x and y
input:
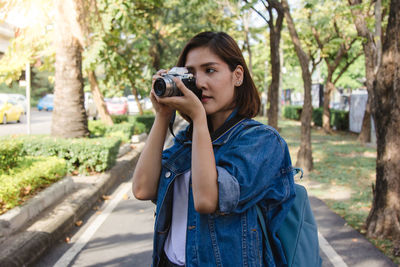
{"x": 348, "y": 64}
{"x": 258, "y": 12}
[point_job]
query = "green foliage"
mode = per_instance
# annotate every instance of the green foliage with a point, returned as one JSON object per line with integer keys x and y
{"x": 292, "y": 112}
{"x": 133, "y": 39}
{"x": 122, "y": 131}
{"x": 97, "y": 128}
{"x": 10, "y": 152}
{"x": 317, "y": 116}
{"x": 123, "y": 128}
{"x": 83, "y": 155}
{"x": 121, "y": 118}
{"x": 339, "y": 118}
{"x": 30, "y": 175}
{"x": 355, "y": 75}
{"x": 140, "y": 128}
{"x": 13, "y": 88}
{"x": 32, "y": 43}
{"x": 147, "y": 120}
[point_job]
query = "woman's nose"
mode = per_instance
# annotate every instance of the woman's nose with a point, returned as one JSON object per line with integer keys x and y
{"x": 200, "y": 82}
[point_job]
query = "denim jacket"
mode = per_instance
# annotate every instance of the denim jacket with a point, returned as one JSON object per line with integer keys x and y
{"x": 253, "y": 166}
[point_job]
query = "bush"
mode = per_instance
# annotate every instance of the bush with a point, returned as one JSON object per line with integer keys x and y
{"x": 317, "y": 116}
{"x": 120, "y": 118}
{"x": 147, "y": 120}
{"x": 139, "y": 128}
{"x": 122, "y": 130}
{"x": 28, "y": 176}
{"x": 340, "y": 119}
{"x": 85, "y": 155}
{"x": 292, "y": 112}
{"x": 10, "y": 151}
{"x": 96, "y": 128}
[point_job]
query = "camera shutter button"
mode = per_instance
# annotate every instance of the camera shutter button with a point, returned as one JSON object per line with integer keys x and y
{"x": 167, "y": 174}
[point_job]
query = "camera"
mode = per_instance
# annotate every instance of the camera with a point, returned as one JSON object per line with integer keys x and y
{"x": 165, "y": 86}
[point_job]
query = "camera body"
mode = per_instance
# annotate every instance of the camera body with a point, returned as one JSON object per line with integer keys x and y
{"x": 165, "y": 86}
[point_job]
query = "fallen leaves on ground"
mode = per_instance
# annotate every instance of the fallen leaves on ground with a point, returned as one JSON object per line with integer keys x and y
{"x": 106, "y": 197}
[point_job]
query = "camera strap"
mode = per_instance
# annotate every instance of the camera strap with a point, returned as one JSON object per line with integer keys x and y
{"x": 171, "y": 123}
{"x": 215, "y": 134}
{"x": 225, "y": 127}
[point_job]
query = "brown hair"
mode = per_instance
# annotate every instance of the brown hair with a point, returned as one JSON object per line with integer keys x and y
{"x": 221, "y": 44}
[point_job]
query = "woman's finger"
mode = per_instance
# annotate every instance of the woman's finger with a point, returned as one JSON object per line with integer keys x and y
{"x": 157, "y": 75}
{"x": 182, "y": 87}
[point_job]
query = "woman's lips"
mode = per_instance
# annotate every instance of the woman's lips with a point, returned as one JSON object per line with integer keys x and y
{"x": 205, "y": 98}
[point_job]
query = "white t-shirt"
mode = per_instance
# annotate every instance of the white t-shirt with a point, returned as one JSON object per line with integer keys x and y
{"x": 175, "y": 245}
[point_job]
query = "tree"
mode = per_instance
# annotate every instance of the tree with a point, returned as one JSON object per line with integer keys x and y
{"x": 275, "y": 23}
{"x": 337, "y": 42}
{"x": 32, "y": 42}
{"x": 69, "y": 118}
{"x": 384, "y": 217}
{"x": 372, "y": 52}
{"x": 93, "y": 32}
{"x": 304, "y": 156}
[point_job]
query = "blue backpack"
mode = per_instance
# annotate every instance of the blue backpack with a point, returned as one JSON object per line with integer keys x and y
{"x": 298, "y": 233}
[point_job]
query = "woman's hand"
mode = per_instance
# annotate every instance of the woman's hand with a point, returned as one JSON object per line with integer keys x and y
{"x": 161, "y": 109}
{"x": 188, "y": 104}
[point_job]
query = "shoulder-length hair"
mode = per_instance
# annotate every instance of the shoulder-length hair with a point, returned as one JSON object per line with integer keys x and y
{"x": 224, "y": 46}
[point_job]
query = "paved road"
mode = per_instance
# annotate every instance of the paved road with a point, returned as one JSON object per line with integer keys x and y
{"x": 40, "y": 124}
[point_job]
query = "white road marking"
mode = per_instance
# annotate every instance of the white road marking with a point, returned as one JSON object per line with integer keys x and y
{"x": 333, "y": 257}
{"x": 71, "y": 253}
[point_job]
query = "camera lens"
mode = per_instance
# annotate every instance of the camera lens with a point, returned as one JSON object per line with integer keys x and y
{"x": 160, "y": 86}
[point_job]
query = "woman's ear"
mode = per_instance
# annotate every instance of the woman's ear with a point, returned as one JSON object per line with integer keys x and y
{"x": 238, "y": 75}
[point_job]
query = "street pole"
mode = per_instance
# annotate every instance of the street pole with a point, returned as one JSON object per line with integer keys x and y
{"x": 28, "y": 96}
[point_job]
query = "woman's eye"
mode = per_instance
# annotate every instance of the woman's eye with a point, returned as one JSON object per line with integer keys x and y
{"x": 209, "y": 70}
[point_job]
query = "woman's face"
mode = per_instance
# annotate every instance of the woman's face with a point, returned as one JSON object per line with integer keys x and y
{"x": 216, "y": 81}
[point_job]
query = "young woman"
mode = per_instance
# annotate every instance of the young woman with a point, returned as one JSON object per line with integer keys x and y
{"x": 207, "y": 184}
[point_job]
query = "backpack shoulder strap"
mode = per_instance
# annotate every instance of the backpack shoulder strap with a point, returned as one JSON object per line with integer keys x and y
{"x": 263, "y": 226}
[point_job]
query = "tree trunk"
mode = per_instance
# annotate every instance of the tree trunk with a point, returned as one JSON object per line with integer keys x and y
{"x": 371, "y": 57}
{"x": 326, "y": 116}
{"x": 98, "y": 99}
{"x": 135, "y": 93}
{"x": 304, "y": 156}
{"x": 384, "y": 218}
{"x": 365, "y": 134}
{"x": 69, "y": 118}
{"x": 273, "y": 92}
{"x": 247, "y": 42}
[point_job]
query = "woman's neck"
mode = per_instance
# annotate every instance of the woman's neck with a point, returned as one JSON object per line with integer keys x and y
{"x": 217, "y": 120}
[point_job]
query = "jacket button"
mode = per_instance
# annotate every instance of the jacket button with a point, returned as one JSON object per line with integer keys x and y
{"x": 167, "y": 174}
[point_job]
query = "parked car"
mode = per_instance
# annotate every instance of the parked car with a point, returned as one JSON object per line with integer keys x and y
{"x": 21, "y": 101}
{"x": 132, "y": 105}
{"x": 10, "y": 111}
{"x": 46, "y": 103}
{"x": 117, "y": 106}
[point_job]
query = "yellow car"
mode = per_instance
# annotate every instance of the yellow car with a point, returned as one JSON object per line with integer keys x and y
{"x": 9, "y": 111}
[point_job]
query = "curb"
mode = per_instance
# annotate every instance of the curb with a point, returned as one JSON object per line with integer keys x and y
{"x": 25, "y": 247}
{"x": 16, "y": 218}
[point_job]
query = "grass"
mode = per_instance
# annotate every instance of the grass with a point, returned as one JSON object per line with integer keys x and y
{"x": 344, "y": 170}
